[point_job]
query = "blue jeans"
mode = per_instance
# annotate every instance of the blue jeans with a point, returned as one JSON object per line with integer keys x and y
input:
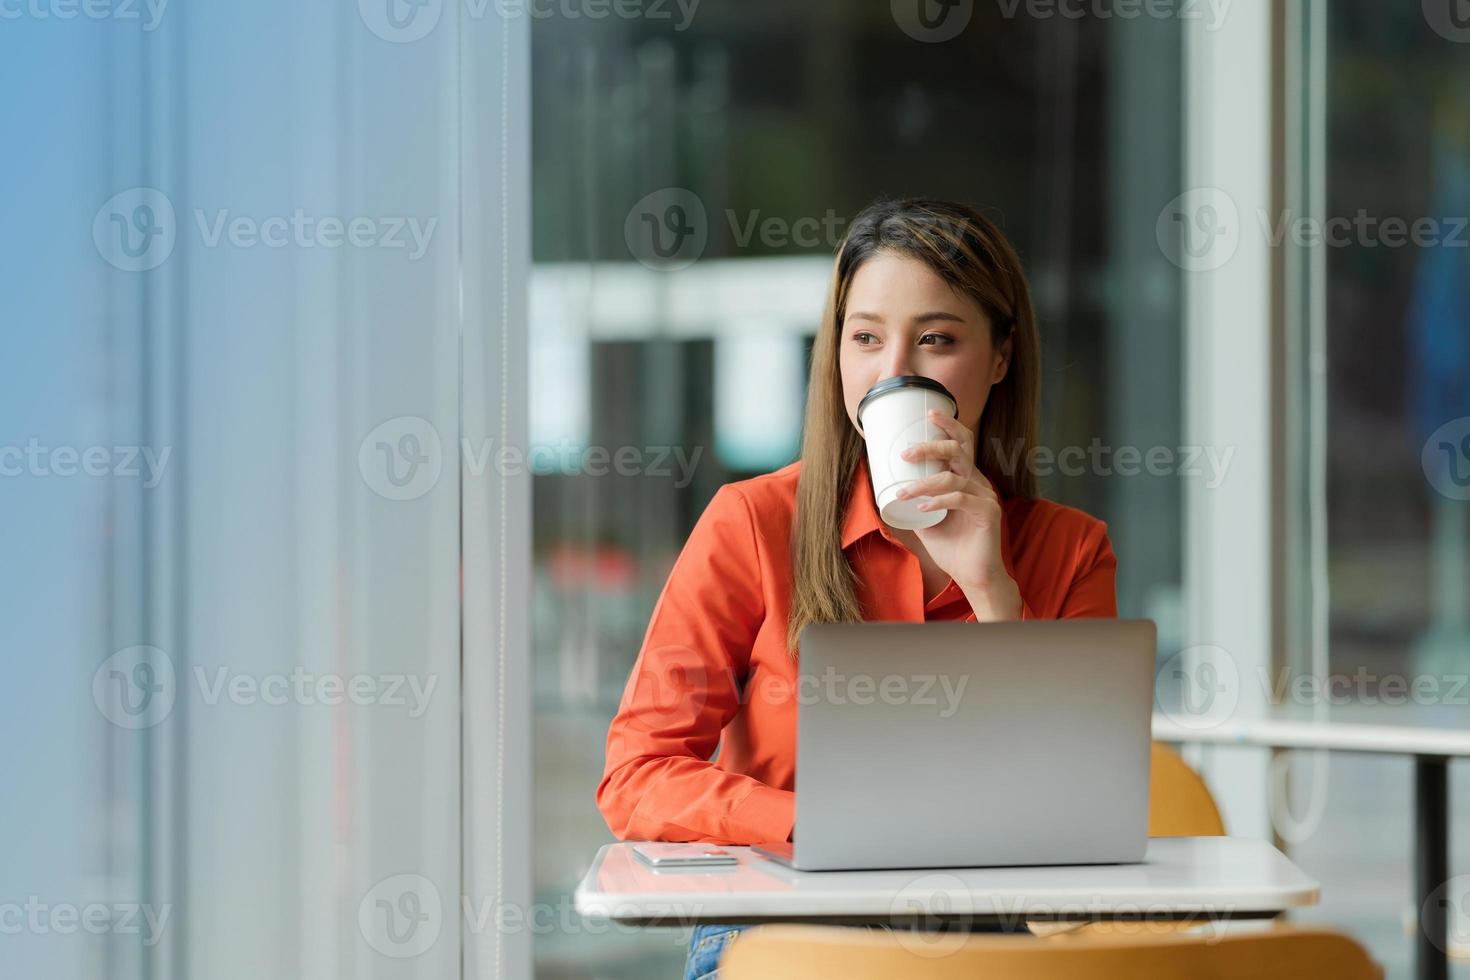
{"x": 706, "y": 945}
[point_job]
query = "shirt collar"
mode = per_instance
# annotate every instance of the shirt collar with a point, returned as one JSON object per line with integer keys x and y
{"x": 861, "y": 518}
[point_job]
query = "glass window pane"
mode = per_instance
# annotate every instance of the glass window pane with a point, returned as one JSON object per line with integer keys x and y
{"x": 690, "y": 188}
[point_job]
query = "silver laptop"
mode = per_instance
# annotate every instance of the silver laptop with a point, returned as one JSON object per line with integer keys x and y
{"x": 939, "y": 745}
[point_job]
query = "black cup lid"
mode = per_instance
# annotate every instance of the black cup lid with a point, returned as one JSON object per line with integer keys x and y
{"x": 905, "y": 381}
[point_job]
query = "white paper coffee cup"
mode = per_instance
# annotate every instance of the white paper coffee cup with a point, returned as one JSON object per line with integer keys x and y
{"x": 894, "y": 415}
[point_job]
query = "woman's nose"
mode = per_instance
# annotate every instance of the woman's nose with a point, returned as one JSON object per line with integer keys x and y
{"x": 899, "y": 364}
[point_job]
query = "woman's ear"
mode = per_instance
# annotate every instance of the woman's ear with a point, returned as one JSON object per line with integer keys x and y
{"x": 1003, "y": 359}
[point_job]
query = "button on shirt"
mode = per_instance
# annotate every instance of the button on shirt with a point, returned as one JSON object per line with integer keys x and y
{"x": 714, "y": 672}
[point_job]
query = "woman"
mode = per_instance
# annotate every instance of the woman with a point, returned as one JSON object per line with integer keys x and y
{"x": 920, "y": 287}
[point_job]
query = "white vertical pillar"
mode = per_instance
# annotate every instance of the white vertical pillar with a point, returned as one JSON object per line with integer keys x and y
{"x": 1227, "y": 371}
{"x": 495, "y": 169}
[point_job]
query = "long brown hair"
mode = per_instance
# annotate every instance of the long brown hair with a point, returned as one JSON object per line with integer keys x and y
{"x": 970, "y": 253}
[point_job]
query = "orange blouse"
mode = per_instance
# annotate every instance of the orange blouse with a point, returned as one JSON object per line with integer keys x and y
{"x": 714, "y": 672}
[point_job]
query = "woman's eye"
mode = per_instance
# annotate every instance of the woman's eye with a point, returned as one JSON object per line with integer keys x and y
{"x": 935, "y": 339}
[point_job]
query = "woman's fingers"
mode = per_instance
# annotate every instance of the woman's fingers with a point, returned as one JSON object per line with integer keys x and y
{"x": 950, "y": 482}
{"x": 953, "y": 428}
{"x": 930, "y": 485}
{"x": 934, "y": 449}
{"x": 963, "y": 501}
{"x": 954, "y": 500}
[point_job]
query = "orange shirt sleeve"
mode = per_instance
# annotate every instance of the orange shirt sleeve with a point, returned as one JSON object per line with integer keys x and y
{"x": 658, "y": 782}
{"x": 1094, "y": 590}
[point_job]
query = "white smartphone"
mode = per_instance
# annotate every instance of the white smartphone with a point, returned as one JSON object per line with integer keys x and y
{"x": 662, "y": 854}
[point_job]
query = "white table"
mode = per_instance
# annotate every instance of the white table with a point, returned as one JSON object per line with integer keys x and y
{"x": 1206, "y": 878}
{"x": 1431, "y": 748}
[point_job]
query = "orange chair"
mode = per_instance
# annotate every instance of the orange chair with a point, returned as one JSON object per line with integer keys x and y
{"x": 793, "y": 952}
{"x": 1179, "y": 802}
